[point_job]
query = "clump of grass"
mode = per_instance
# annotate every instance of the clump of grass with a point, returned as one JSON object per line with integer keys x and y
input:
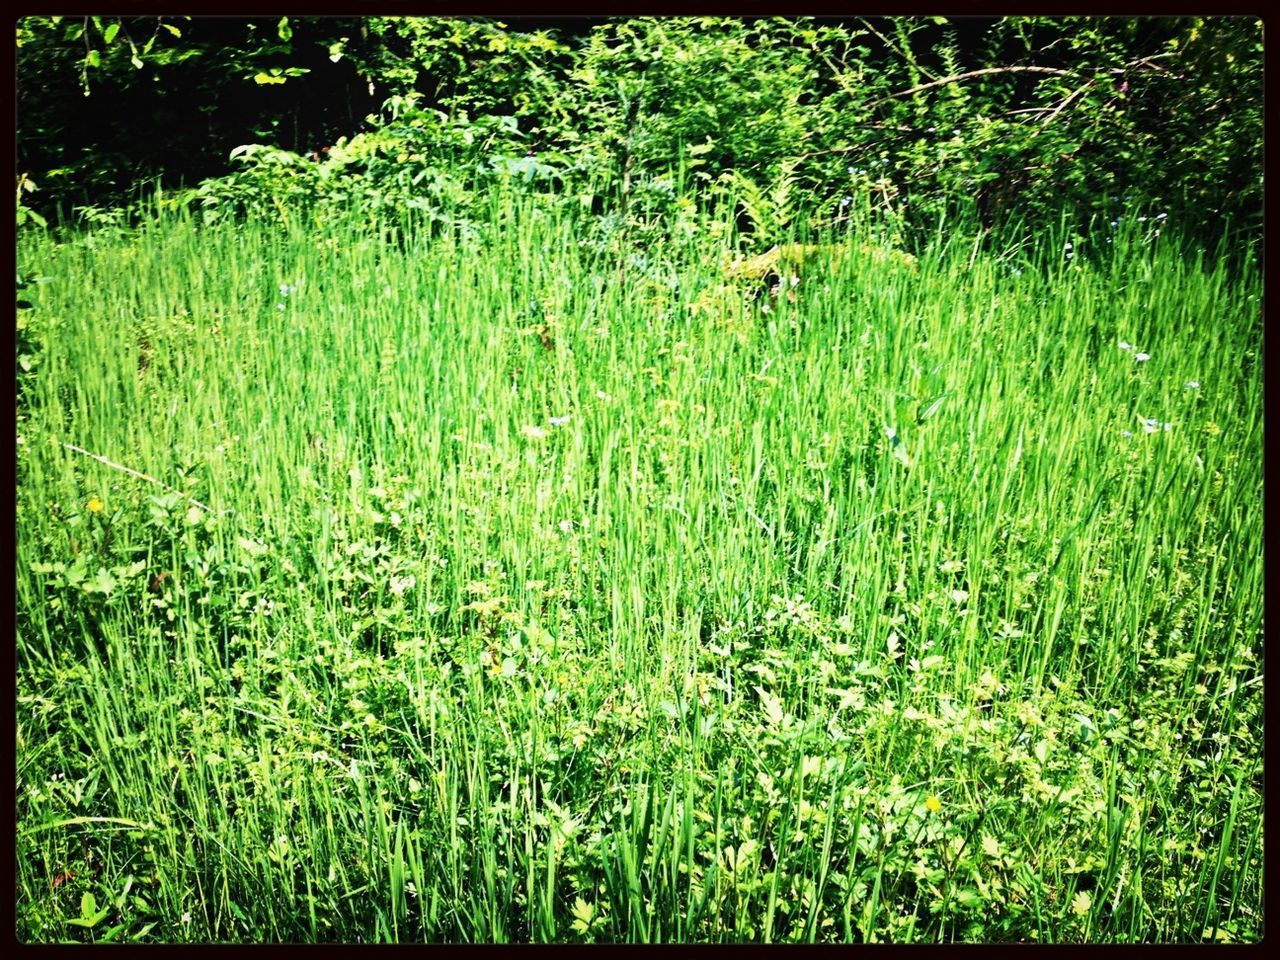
{"x": 487, "y": 588}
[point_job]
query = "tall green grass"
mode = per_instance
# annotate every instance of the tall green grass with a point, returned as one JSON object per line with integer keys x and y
{"x": 376, "y": 583}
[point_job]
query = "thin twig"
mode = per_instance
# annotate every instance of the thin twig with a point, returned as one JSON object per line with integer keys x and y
{"x": 1066, "y": 100}
{"x": 140, "y": 476}
{"x": 904, "y": 53}
{"x": 967, "y": 76}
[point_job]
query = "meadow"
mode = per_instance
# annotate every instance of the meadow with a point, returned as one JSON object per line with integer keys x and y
{"x": 383, "y": 583}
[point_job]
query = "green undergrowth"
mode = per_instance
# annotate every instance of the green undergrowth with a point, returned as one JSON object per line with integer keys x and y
{"x": 381, "y": 585}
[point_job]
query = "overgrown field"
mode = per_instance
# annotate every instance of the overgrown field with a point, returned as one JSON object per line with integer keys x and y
{"x": 380, "y": 586}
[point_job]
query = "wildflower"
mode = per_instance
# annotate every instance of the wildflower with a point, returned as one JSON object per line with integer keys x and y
{"x": 1192, "y": 385}
{"x": 533, "y": 432}
{"x": 566, "y": 526}
{"x": 186, "y": 916}
{"x": 933, "y": 804}
{"x": 1151, "y": 425}
{"x": 559, "y": 421}
{"x": 1125, "y": 345}
{"x": 1142, "y": 357}
{"x": 95, "y": 505}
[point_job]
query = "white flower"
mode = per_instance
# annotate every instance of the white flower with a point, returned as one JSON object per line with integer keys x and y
{"x": 566, "y": 526}
{"x": 1126, "y": 433}
{"x": 1142, "y": 357}
{"x": 533, "y": 433}
{"x": 186, "y": 916}
{"x": 1192, "y": 385}
{"x": 1125, "y": 345}
{"x": 559, "y": 421}
{"x": 1151, "y": 425}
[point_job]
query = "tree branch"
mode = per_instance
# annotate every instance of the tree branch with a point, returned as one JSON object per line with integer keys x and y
{"x": 134, "y": 473}
{"x": 967, "y": 76}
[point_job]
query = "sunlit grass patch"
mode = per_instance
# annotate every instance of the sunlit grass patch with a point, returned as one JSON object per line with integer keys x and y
{"x": 476, "y": 588}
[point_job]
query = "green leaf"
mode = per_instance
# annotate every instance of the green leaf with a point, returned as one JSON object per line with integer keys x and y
{"x": 90, "y": 915}
{"x": 172, "y": 29}
{"x": 991, "y": 846}
{"x": 109, "y": 34}
{"x": 772, "y": 708}
{"x": 102, "y": 583}
{"x": 932, "y": 408}
{"x": 285, "y": 31}
{"x": 92, "y": 59}
{"x": 261, "y": 78}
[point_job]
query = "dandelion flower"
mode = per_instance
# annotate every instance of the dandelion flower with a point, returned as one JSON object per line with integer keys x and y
{"x": 933, "y": 804}
{"x": 95, "y": 505}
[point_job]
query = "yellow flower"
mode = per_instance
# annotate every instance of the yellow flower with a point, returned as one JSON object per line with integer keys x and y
{"x": 95, "y": 505}
{"x": 933, "y": 804}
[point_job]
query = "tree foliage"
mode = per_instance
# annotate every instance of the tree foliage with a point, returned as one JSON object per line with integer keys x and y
{"x": 1014, "y": 119}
